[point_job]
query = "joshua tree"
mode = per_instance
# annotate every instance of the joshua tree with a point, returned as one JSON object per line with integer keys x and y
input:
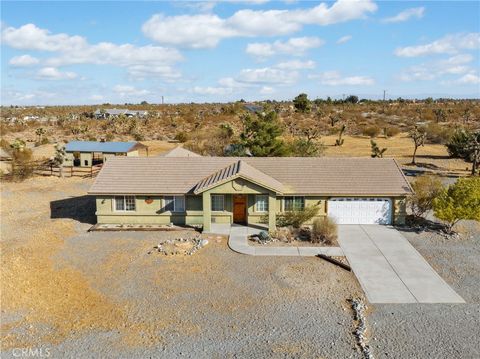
{"x": 59, "y": 157}
{"x": 473, "y": 148}
{"x": 418, "y": 138}
{"x": 376, "y": 151}
{"x": 40, "y": 132}
{"x": 339, "y": 141}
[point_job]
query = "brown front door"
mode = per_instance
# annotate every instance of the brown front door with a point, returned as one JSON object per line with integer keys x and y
{"x": 239, "y": 208}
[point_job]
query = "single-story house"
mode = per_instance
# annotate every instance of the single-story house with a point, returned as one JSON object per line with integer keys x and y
{"x": 115, "y": 112}
{"x": 253, "y": 190}
{"x": 90, "y": 153}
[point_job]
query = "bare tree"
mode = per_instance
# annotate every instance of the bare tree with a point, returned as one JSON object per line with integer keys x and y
{"x": 418, "y": 136}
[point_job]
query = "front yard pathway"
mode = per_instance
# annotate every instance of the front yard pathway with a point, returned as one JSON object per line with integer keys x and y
{"x": 238, "y": 242}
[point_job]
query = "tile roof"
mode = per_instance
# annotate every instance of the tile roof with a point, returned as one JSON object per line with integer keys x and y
{"x": 307, "y": 175}
{"x": 180, "y": 152}
{"x": 235, "y": 170}
{"x": 95, "y": 146}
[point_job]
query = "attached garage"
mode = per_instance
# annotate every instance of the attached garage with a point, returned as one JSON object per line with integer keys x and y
{"x": 352, "y": 210}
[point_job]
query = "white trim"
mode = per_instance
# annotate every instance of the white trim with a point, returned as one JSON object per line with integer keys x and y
{"x": 114, "y": 204}
{"x": 266, "y": 203}
{"x": 174, "y": 196}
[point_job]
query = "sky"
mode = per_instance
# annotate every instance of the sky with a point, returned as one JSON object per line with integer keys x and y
{"x": 67, "y": 52}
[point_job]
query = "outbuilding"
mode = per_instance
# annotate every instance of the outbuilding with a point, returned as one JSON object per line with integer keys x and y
{"x": 90, "y": 153}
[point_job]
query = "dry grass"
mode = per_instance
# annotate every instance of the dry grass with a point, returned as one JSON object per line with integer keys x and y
{"x": 399, "y": 147}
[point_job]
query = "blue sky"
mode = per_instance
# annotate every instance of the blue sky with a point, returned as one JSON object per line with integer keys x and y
{"x": 95, "y": 52}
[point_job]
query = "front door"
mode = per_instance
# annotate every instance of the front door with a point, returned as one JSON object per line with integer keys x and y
{"x": 239, "y": 208}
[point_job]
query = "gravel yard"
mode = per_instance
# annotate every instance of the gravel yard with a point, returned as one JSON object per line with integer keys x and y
{"x": 101, "y": 294}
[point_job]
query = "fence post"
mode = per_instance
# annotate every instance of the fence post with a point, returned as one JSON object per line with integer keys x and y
{"x": 91, "y": 172}
{"x": 51, "y": 169}
{"x": 71, "y": 171}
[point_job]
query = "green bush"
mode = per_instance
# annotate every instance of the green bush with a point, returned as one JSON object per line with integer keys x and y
{"x": 324, "y": 230}
{"x": 137, "y": 136}
{"x": 297, "y": 218}
{"x": 458, "y": 201}
{"x": 109, "y": 137}
{"x": 371, "y": 131}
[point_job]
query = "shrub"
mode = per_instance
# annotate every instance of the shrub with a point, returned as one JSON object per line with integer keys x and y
{"x": 371, "y": 131}
{"x": 109, "y": 137}
{"x": 22, "y": 165}
{"x": 458, "y": 201}
{"x": 391, "y": 131}
{"x": 324, "y": 230}
{"x": 297, "y": 218}
{"x": 181, "y": 137}
{"x": 137, "y": 136}
{"x": 426, "y": 188}
{"x": 438, "y": 134}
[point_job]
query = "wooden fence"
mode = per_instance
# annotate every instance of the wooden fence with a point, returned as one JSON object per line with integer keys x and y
{"x": 68, "y": 171}
{"x": 42, "y": 168}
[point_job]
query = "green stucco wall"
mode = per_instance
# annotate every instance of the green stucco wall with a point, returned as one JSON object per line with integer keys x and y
{"x": 152, "y": 213}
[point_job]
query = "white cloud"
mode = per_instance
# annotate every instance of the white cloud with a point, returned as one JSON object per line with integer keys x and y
{"x": 129, "y": 91}
{"x": 405, "y": 15}
{"x": 207, "y": 30}
{"x": 296, "y": 65}
{"x": 344, "y": 39}
{"x": 454, "y": 65}
{"x": 449, "y": 44}
{"x": 294, "y": 46}
{"x": 52, "y": 73}
{"x": 469, "y": 79}
{"x": 334, "y": 78}
{"x": 76, "y": 50}
{"x": 23, "y": 61}
{"x": 267, "y": 75}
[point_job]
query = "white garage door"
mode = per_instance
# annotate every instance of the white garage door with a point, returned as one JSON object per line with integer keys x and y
{"x": 360, "y": 210}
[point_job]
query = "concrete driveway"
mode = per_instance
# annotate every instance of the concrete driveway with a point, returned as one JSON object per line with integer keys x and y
{"x": 389, "y": 268}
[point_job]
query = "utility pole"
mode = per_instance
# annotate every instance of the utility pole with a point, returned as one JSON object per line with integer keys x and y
{"x": 383, "y": 107}
{"x": 162, "y": 100}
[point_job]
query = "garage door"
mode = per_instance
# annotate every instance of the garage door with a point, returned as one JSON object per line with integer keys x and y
{"x": 360, "y": 210}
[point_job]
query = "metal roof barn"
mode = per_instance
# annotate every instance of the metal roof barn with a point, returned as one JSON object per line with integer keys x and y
{"x": 95, "y": 146}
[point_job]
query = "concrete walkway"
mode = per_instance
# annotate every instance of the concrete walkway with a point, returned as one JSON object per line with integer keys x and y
{"x": 389, "y": 268}
{"x": 238, "y": 242}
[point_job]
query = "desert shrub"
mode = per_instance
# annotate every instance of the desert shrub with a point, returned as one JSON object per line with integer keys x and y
{"x": 181, "y": 137}
{"x": 324, "y": 230}
{"x": 109, "y": 137}
{"x": 297, "y": 217}
{"x": 426, "y": 189}
{"x": 5, "y": 144}
{"x": 391, "y": 131}
{"x": 137, "y": 136}
{"x": 457, "y": 144}
{"x": 92, "y": 138}
{"x": 371, "y": 131}
{"x": 22, "y": 165}
{"x": 304, "y": 148}
{"x": 438, "y": 134}
{"x": 458, "y": 201}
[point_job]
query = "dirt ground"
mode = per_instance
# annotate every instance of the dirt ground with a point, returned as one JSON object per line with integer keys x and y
{"x": 100, "y": 294}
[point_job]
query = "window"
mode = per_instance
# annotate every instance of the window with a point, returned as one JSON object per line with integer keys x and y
{"x": 174, "y": 203}
{"x": 294, "y": 203}
{"x": 125, "y": 203}
{"x": 217, "y": 202}
{"x": 262, "y": 203}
